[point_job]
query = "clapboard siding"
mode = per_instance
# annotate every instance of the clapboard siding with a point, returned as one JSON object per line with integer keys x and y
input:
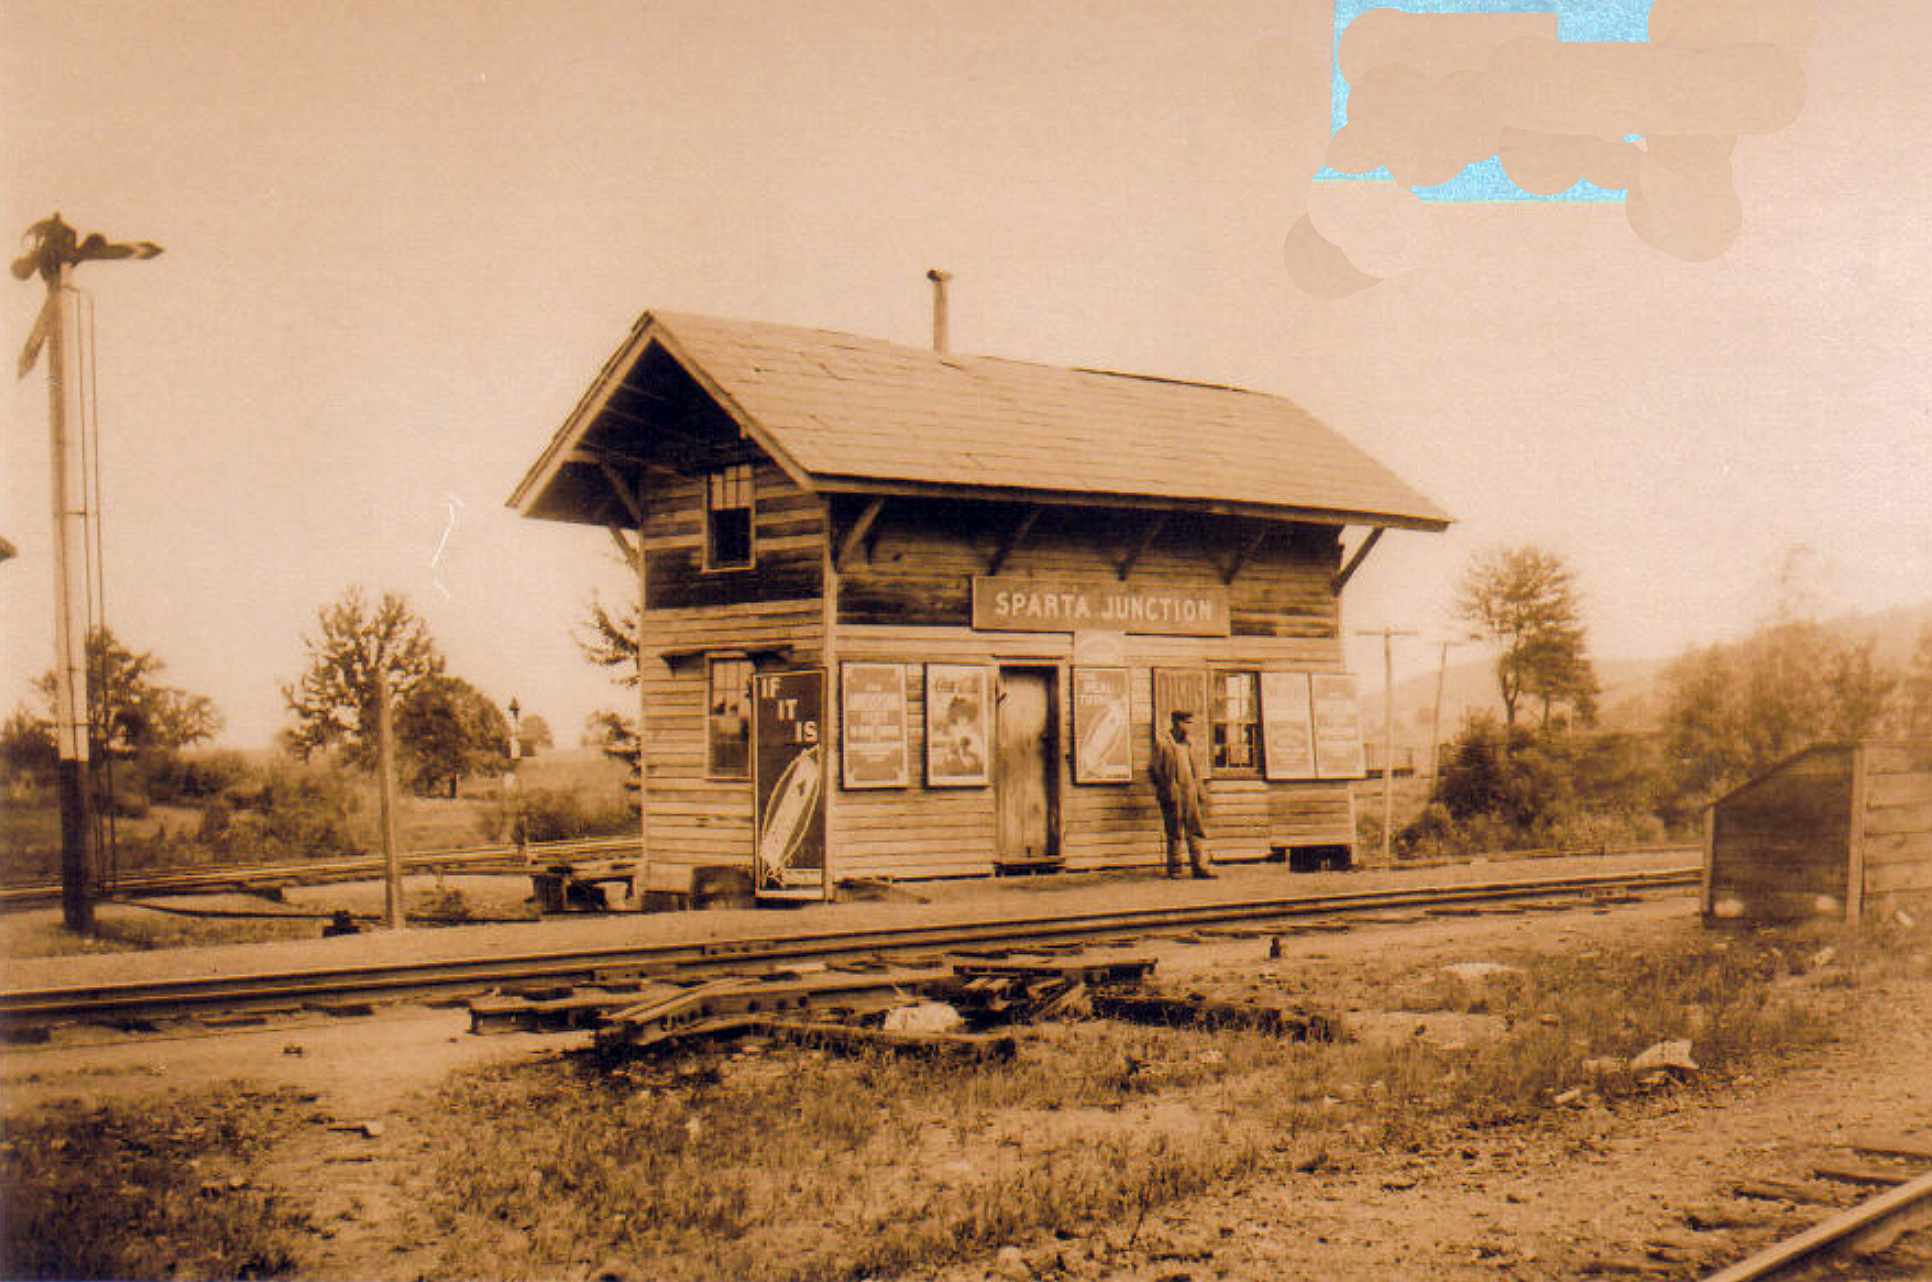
{"x": 917, "y": 563}
{"x": 788, "y": 545}
{"x": 919, "y": 831}
{"x": 693, "y": 819}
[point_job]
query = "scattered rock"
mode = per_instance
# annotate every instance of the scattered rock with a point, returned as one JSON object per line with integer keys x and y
{"x": 1571, "y": 1096}
{"x": 1010, "y": 1262}
{"x": 1604, "y": 1066}
{"x": 1672, "y": 1055}
{"x": 924, "y": 1017}
{"x": 614, "y": 1270}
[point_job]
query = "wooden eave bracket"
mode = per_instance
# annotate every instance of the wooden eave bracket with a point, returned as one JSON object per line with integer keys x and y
{"x": 1245, "y": 553}
{"x": 1014, "y": 538}
{"x": 589, "y": 457}
{"x": 1148, "y": 534}
{"x": 862, "y": 532}
{"x": 626, "y": 493}
{"x": 633, "y": 554}
{"x": 1355, "y": 562}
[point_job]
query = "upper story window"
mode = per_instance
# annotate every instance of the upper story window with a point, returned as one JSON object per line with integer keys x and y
{"x": 728, "y": 512}
{"x": 1236, "y": 722}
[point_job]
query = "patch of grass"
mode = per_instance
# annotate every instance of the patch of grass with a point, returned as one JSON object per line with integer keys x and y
{"x": 146, "y": 1191}
{"x": 794, "y": 1164}
{"x": 813, "y": 1167}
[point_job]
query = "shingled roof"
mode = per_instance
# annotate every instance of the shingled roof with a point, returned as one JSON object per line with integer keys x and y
{"x": 846, "y": 413}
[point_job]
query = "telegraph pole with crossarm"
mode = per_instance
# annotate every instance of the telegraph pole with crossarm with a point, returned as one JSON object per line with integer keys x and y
{"x": 53, "y": 251}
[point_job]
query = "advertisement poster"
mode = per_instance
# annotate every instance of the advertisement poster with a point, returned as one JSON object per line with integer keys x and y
{"x": 1103, "y": 750}
{"x": 1338, "y": 726}
{"x": 958, "y": 702}
{"x": 872, "y": 724}
{"x": 1287, "y": 726}
{"x": 788, "y": 782}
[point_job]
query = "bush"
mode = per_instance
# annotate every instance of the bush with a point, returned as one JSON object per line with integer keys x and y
{"x": 547, "y": 814}
{"x": 287, "y": 811}
{"x": 128, "y": 803}
{"x": 173, "y": 779}
{"x": 1519, "y": 789}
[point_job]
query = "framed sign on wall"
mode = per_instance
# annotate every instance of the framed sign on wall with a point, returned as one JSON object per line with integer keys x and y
{"x": 1287, "y": 726}
{"x": 872, "y": 725}
{"x": 1338, "y": 726}
{"x": 959, "y": 703}
{"x": 788, "y": 782}
{"x": 1103, "y": 750}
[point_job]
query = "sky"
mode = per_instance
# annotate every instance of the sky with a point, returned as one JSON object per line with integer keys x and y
{"x": 402, "y": 237}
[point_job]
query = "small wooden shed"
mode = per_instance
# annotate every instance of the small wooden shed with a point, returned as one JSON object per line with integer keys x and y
{"x": 906, "y": 613}
{"x": 1839, "y": 830}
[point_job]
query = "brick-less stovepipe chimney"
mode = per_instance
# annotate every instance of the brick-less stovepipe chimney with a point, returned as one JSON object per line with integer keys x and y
{"x": 939, "y": 279}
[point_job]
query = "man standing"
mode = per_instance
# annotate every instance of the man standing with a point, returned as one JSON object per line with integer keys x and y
{"x": 1178, "y": 787}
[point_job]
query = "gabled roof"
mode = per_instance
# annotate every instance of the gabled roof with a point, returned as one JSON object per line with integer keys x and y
{"x": 844, "y": 413}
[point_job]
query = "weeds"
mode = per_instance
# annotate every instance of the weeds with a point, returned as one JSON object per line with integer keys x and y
{"x": 126, "y": 1191}
{"x": 797, "y": 1165}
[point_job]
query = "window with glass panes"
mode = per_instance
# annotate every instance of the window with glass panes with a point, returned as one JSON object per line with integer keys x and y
{"x": 728, "y": 720}
{"x": 1236, "y": 722}
{"x": 728, "y": 511}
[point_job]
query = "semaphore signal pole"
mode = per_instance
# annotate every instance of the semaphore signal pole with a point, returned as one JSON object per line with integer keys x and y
{"x": 53, "y": 251}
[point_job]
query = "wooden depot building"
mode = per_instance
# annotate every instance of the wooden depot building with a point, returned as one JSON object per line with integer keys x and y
{"x": 912, "y": 614}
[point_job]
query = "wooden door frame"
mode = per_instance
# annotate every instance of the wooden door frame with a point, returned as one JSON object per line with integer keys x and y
{"x": 1055, "y": 674}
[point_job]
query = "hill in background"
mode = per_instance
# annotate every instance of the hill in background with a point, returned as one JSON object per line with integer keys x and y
{"x": 1632, "y": 696}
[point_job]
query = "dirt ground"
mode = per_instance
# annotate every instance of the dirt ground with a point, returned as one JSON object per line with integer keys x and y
{"x": 1593, "y": 1190}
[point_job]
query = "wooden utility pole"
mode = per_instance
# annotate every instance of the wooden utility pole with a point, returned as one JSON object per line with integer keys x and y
{"x": 1388, "y": 636}
{"x": 54, "y": 249}
{"x": 386, "y": 770}
{"x": 1435, "y": 721}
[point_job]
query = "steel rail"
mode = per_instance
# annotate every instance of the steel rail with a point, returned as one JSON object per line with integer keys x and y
{"x": 1871, "y": 1216}
{"x": 20, "y": 1007}
{"x": 204, "y": 878}
{"x": 216, "y": 877}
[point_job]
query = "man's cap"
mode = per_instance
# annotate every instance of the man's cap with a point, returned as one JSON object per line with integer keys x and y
{"x": 1182, "y": 714}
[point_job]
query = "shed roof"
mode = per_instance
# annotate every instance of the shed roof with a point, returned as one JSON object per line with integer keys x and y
{"x": 843, "y": 412}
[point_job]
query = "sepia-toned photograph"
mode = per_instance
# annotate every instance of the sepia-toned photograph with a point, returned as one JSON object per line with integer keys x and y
{"x": 956, "y": 641}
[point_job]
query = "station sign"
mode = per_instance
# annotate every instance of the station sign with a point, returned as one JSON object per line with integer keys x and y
{"x": 1098, "y": 605}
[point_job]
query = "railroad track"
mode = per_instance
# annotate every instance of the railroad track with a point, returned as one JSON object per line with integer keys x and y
{"x": 30, "y": 1009}
{"x": 1861, "y": 1236}
{"x": 209, "y": 878}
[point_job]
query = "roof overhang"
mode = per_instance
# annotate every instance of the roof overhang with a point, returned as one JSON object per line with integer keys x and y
{"x": 557, "y": 484}
{"x": 1109, "y": 499}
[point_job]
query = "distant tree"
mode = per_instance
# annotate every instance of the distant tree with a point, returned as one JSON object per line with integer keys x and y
{"x": 446, "y": 731}
{"x": 1525, "y": 599}
{"x": 27, "y": 749}
{"x": 1858, "y": 690}
{"x": 128, "y": 707}
{"x": 1913, "y": 712}
{"x": 533, "y": 735}
{"x": 1731, "y": 712}
{"x": 334, "y": 702}
{"x": 611, "y": 644}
